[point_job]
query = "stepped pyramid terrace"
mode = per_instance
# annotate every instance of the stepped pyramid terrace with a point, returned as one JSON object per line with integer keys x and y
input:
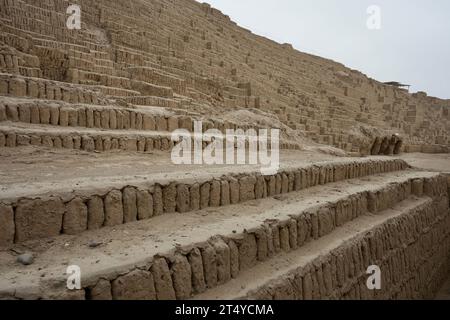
{"x": 359, "y": 173}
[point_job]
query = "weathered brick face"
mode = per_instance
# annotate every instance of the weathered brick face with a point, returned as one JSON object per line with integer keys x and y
{"x": 125, "y": 81}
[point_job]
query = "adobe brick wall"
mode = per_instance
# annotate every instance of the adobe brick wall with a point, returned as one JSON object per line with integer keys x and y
{"x": 412, "y": 251}
{"x": 47, "y": 216}
{"x": 410, "y": 247}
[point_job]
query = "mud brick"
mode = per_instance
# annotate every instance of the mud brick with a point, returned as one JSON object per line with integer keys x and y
{"x": 38, "y": 219}
{"x": 76, "y": 217}
{"x": 113, "y": 208}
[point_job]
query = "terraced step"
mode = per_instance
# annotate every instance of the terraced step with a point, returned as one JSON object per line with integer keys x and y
{"x": 63, "y": 114}
{"x": 73, "y": 209}
{"x": 18, "y": 86}
{"x": 147, "y": 118}
{"x": 194, "y": 59}
{"x": 410, "y": 242}
{"x": 153, "y": 101}
{"x": 14, "y": 134}
{"x": 177, "y": 256}
{"x": 158, "y": 77}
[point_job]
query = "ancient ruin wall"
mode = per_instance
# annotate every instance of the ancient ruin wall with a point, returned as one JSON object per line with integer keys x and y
{"x": 189, "y": 56}
{"x": 137, "y": 70}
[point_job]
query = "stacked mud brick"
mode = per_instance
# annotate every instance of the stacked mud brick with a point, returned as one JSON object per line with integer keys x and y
{"x": 306, "y": 233}
{"x": 72, "y": 213}
{"x": 136, "y": 71}
{"x": 189, "y": 59}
